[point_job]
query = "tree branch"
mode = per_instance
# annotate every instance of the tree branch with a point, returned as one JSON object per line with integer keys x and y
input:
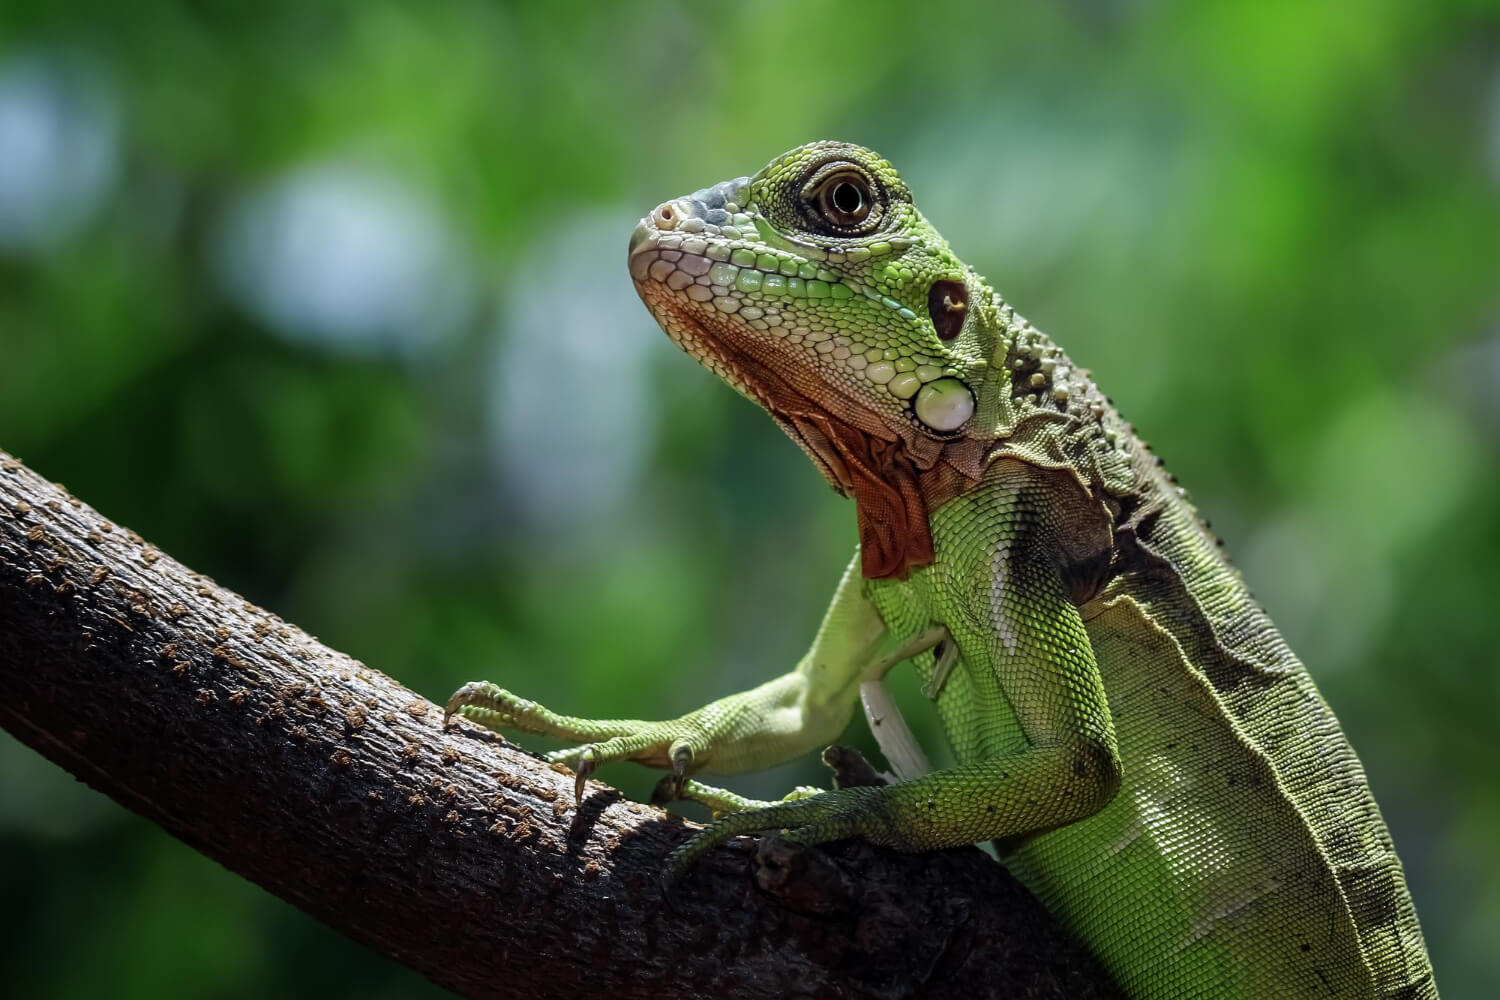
{"x": 451, "y": 851}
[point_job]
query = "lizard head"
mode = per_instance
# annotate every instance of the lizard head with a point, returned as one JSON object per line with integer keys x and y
{"x": 816, "y": 289}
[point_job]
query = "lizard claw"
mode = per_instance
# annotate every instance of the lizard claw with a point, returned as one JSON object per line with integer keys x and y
{"x": 671, "y": 786}
{"x": 681, "y": 755}
{"x": 471, "y": 693}
{"x": 945, "y": 656}
{"x": 588, "y": 762}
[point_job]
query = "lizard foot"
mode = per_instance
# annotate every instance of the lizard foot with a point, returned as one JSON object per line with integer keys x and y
{"x": 816, "y": 819}
{"x": 679, "y": 745}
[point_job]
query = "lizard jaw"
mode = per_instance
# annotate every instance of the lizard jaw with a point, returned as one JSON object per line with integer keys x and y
{"x": 861, "y": 458}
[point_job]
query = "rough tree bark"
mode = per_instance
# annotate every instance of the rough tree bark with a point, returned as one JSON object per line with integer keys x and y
{"x": 451, "y": 850}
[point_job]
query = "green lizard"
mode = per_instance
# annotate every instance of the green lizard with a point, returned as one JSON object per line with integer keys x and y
{"x": 1152, "y": 760}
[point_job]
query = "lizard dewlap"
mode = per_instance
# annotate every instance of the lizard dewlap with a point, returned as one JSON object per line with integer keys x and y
{"x": 1126, "y": 720}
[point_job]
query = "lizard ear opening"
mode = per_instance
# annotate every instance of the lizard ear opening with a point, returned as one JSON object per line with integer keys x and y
{"x": 947, "y": 306}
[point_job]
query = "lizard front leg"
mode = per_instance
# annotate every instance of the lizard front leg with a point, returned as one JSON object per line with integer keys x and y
{"x": 748, "y": 731}
{"x": 1017, "y": 625}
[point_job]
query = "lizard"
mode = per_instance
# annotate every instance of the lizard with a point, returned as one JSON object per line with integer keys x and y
{"x": 1130, "y": 729}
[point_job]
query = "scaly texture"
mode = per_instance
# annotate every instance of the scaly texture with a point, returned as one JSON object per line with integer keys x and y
{"x": 331, "y": 785}
{"x": 1151, "y": 759}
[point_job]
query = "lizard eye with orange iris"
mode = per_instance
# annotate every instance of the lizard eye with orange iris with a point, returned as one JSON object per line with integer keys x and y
{"x": 844, "y": 199}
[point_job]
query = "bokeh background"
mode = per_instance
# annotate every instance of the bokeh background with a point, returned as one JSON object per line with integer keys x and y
{"x": 329, "y": 300}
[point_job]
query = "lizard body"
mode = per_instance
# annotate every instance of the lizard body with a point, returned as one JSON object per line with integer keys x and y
{"x": 1129, "y": 727}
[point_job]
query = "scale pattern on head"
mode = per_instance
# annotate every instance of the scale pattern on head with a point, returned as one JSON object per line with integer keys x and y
{"x": 818, "y": 290}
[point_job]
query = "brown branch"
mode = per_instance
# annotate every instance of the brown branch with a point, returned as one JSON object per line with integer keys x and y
{"x": 451, "y": 851}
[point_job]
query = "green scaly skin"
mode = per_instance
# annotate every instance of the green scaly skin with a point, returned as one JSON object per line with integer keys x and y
{"x": 1153, "y": 761}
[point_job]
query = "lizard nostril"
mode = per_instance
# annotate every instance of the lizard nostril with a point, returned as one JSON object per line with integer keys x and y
{"x": 665, "y": 216}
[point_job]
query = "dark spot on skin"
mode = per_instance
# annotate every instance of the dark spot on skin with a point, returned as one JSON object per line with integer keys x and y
{"x": 1305, "y": 947}
{"x": 947, "y": 306}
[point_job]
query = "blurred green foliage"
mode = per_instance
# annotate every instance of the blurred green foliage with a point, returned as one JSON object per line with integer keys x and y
{"x": 329, "y": 300}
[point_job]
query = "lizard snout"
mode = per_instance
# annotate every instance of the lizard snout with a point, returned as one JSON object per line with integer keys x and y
{"x": 702, "y": 212}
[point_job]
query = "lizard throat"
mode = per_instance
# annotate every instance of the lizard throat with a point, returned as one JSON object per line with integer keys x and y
{"x": 893, "y": 488}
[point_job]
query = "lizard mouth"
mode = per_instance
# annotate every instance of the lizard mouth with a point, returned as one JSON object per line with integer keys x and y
{"x": 856, "y": 452}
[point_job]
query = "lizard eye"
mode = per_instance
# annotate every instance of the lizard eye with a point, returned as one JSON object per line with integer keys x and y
{"x": 843, "y": 200}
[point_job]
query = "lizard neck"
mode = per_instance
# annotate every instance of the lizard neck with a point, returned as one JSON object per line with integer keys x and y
{"x": 1033, "y": 404}
{"x": 1040, "y": 407}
